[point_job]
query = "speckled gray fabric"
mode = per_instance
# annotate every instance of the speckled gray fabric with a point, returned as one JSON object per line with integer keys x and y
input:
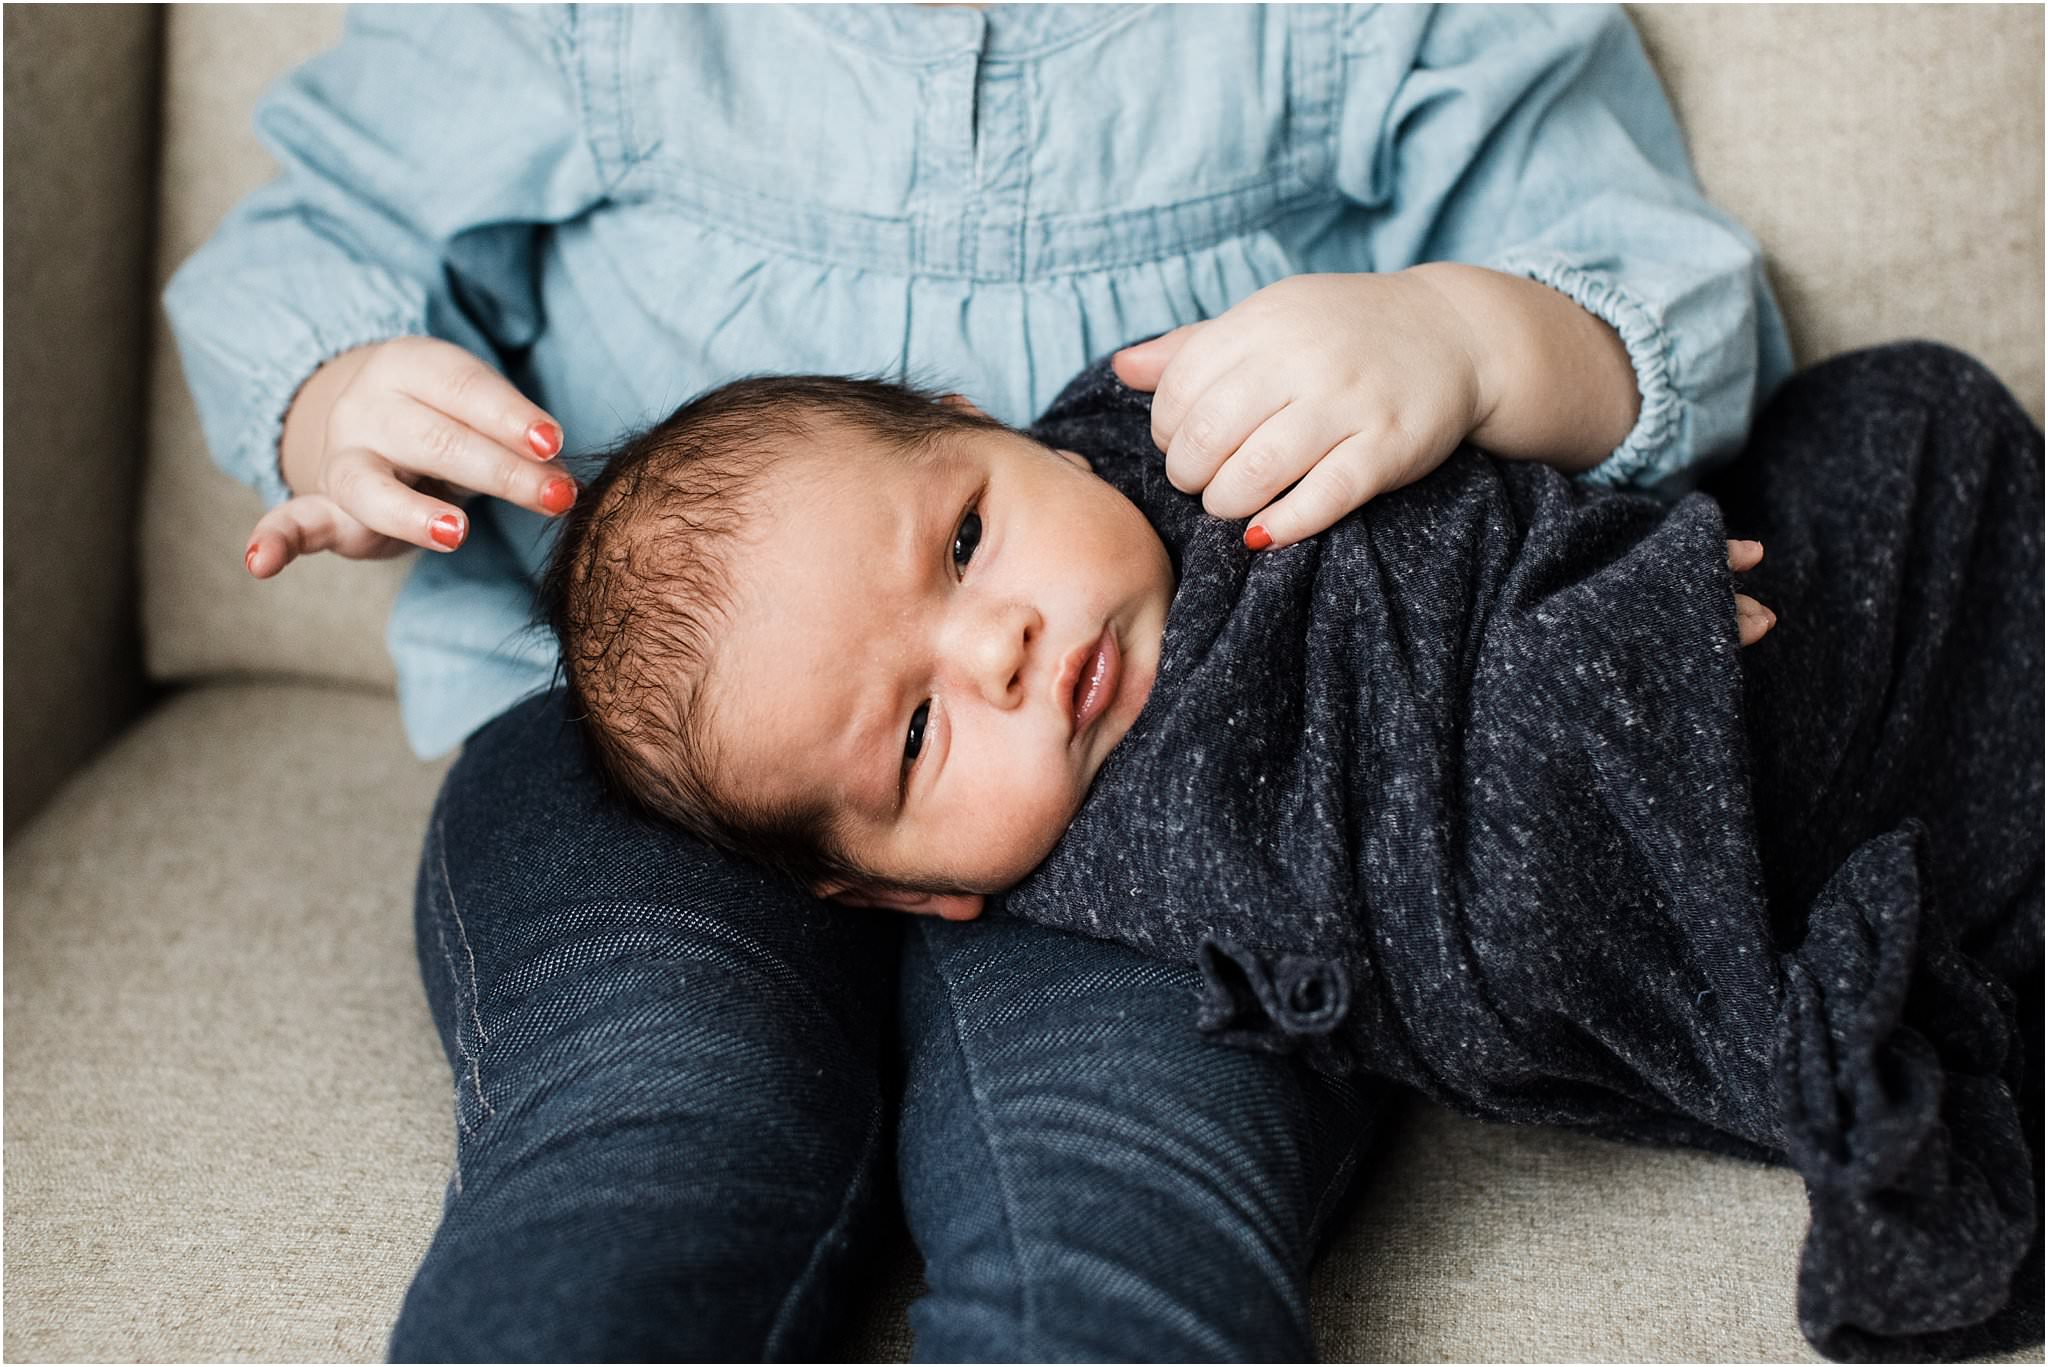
{"x": 1478, "y": 791}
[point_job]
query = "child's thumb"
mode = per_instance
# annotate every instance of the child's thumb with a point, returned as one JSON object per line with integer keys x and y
{"x": 298, "y": 526}
{"x": 1141, "y": 366}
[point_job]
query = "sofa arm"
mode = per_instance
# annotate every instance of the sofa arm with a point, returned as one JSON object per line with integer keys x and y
{"x": 80, "y": 201}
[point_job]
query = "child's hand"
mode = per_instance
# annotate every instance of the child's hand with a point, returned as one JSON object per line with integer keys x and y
{"x": 380, "y": 439}
{"x": 1752, "y": 619}
{"x": 1351, "y": 384}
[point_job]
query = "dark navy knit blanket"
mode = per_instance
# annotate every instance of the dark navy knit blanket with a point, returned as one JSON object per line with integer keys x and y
{"x": 1477, "y": 791}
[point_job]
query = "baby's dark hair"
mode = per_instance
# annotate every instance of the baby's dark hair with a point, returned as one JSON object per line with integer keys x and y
{"x": 639, "y": 582}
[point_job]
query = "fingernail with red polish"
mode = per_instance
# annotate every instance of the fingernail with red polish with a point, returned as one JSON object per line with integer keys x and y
{"x": 558, "y": 495}
{"x": 1257, "y": 537}
{"x": 446, "y": 529}
{"x": 545, "y": 438}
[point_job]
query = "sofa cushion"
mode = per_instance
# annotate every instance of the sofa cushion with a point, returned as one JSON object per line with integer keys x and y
{"x": 201, "y": 612}
{"x": 81, "y": 96}
{"x": 228, "y": 1119}
{"x": 1887, "y": 157}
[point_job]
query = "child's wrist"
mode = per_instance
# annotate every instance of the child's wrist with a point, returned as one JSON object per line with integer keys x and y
{"x": 1465, "y": 310}
{"x": 302, "y": 445}
{"x": 1556, "y": 383}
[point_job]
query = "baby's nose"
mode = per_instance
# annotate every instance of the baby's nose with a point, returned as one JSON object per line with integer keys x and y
{"x": 1000, "y": 651}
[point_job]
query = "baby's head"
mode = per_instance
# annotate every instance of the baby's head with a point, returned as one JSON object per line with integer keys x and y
{"x": 868, "y": 637}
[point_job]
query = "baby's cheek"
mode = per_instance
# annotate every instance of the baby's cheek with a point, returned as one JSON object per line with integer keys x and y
{"x": 1020, "y": 830}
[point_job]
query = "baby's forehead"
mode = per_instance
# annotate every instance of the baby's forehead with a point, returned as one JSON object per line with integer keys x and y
{"x": 837, "y": 439}
{"x": 835, "y": 468}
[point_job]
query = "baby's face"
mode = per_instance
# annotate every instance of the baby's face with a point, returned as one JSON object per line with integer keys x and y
{"x": 945, "y": 651}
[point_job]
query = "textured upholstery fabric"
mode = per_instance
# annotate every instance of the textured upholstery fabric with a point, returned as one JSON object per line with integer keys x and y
{"x": 202, "y": 613}
{"x": 1887, "y": 157}
{"x": 78, "y": 77}
{"x": 227, "y": 1121}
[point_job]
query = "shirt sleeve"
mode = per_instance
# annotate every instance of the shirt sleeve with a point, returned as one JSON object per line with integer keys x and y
{"x": 1537, "y": 141}
{"x": 421, "y": 159}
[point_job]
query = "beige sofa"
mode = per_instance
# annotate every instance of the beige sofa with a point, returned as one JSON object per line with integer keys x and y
{"x": 227, "y": 1118}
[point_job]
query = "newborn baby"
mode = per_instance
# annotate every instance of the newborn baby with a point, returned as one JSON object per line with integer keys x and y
{"x": 927, "y": 633}
{"x": 1472, "y": 790}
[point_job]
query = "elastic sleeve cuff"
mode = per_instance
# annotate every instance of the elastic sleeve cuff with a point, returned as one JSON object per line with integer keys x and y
{"x": 273, "y": 387}
{"x": 1653, "y": 448}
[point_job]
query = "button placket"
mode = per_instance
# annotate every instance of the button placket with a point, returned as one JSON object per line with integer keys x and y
{"x": 1002, "y": 166}
{"x": 943, "y": 183}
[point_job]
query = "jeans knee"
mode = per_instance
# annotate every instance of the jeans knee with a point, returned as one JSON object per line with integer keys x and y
{"x": 1087, "y": 1178}
{"x": 642, "y": 1189}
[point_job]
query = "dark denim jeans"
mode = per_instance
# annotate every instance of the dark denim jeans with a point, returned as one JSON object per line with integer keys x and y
{"x": 678, "y": 1084}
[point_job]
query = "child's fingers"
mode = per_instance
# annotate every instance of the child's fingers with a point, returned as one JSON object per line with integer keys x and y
{"x": 1201, "y": 361}
{"x": 1140, "y": 366}
{"x": 1745, "y": 555}
{"x": 366, "y": 487}
{"x": 435, "y": 488}
{"x": 1283, "y": 449}
{"x": 1209, "y": 438}
{"x": 1356, "y": 471}
{"x": 296, "y": 527}
{"x": 423, "y": 440}
{"x": 1752, "y": 619}
{"x": 449, "y": 379}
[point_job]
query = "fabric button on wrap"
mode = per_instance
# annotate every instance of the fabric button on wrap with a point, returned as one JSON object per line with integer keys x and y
{"x": 1276, "y": 1003}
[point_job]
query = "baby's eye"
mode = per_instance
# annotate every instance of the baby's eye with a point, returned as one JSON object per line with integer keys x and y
{"x": 915, "y": 742}
{"x": 966, "y": 539}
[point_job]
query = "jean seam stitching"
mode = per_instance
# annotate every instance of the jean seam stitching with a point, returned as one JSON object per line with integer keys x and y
{"x": 441, "y": 939}
{"x": 469, "y": 1056}
{"x": 1340, "y": 1181}
{"x": 780, "y": 1325}
{"x": 1026, "y": 1299}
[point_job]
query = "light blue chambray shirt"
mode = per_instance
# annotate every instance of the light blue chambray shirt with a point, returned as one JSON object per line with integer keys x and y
{"x": 624, "y": 206}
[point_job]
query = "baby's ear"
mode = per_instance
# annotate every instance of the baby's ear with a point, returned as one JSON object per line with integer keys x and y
{"x": 952, "y": 906}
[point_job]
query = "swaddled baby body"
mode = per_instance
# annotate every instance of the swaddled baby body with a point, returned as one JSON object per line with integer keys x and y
{"x": 1473, "y": 790}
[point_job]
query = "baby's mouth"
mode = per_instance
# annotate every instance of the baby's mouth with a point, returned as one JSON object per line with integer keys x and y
{"x": 1095, "y": 669}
